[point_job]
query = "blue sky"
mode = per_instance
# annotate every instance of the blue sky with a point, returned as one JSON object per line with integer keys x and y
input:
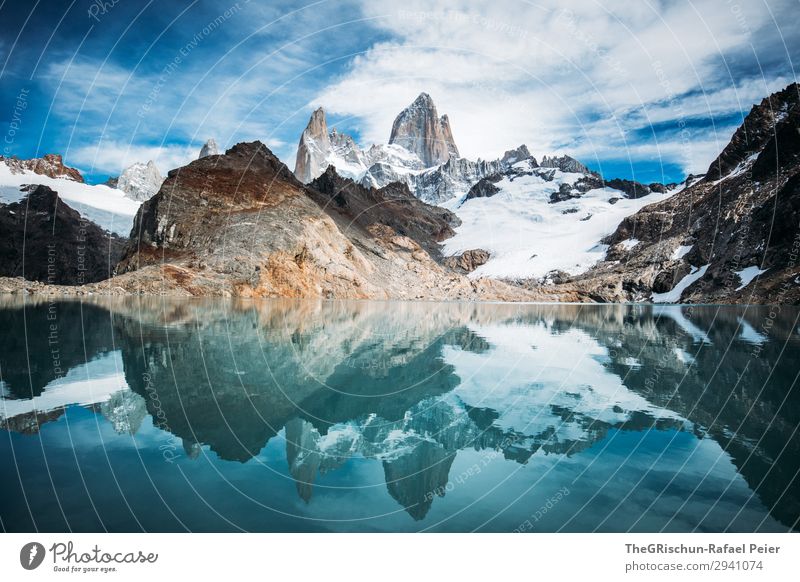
{"x": 650, "y": 90}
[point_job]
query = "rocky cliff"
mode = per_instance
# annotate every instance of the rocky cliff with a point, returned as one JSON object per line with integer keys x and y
{"x": 140, "y": 181}
{"x": 46, "y": 240}
{"x": 313, "y": 148}
{"x": 50, "y": 165}
{"x": 419, "y": 129}
{"x": 731, "y": 236}
{"x": 393, "y": 206}
{"x": 242, "y": 224}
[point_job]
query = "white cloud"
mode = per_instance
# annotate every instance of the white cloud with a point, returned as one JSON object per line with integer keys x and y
{"x": 112, "y": 157}
{"x": 555, "y": 75}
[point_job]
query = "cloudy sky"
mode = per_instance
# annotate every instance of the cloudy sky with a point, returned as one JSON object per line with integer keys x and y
{"x": 651, "y": 90}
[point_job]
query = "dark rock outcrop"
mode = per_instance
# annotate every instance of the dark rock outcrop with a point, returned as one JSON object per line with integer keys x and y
{"x": 484, "y": 188}
{"x": 46, "y": 240}
{"x": 730, "y": 222}
{"x": 565, "y": 164}
{"x": 759, "y": 127}
{"x": 393, "y": 205}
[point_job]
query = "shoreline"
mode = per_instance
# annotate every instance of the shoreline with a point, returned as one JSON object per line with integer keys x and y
{"x": 19, "y": 287}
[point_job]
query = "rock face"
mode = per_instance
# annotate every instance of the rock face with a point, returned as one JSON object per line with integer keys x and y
{"x": 50, "y": 165}
{"x": 757, "y": 129}
{"x": 419, "y": 129}
{"x": 393, "y": 206}
{"x": 401, "y": 161}
{"x": 376, "y": 167}
{"x": 467, "y": 261}
{"x": 728, "y": 237}
{"x": 485, "y": 187}
{"x": 242, "y": 224}
{"x": 46, "y": 240}
{"x": 565, "y": 164}
{"x": 209, "y": 148}
{"x": 140, "y": 181}
{"x": 313, "y": 149}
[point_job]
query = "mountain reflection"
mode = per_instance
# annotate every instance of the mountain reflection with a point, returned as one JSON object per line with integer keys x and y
{"x": 412, "y": 384}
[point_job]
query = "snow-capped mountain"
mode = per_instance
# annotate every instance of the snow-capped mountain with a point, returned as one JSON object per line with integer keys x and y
{"x": 419, "y": 129}
{"x": 729, "y": 236}
{"x": 512, "y": 209}
{"x": 421, "y": 153}
{"x": 538, "y": 221}
{"x": 108, "y": 207}
{"x": 209, "y": 148}
{"x": 378, "y": 166}
{"x": 140, "y": 181}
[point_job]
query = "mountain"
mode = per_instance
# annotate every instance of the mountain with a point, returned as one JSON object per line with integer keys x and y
{"x": 380, "y": 223}
{"x": 540, "y": 223}
{"x": 242, "y": 224}
{"x": 729, "y": 236}
{"x": 209, "y": 149}
{"x": 51, "y": 165}
{"x": 102, "y": 204}
{"x": 46, "y": 240}
{"x": 565, "y": 164}
{"x": 378, "y": 166}
{"x": 393, "y": 206}
{"x": 421, "y": 154}
{"x": 140, "y": 181}
{"x": 314, "y": 148}
{"x": 419, "y": 129}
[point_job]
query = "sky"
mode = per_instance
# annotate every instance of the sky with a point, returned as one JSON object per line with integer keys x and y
{"x": 649, "y": 90}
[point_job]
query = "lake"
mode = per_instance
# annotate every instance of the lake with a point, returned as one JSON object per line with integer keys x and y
{"x": 156, "y": 414}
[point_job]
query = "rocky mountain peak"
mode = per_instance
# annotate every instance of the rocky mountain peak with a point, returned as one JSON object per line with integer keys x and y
{"x": 255, "y": 156}
{"x": 757, "y": 129}
{"x": 210, "y": 148}
{"x": 419, "y": 129}
{"x": 51, "y": 165}
{"x": 140, "y": 181}
{"x": 565, "y": 164}
{"x": 516, "y": 155}
{"x": 314, "y": 147}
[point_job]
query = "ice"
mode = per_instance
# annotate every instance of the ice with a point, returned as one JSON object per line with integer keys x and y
{"x": 681, "y": 252}
{"x": 747, "y": 275}
{"x": 674, "y": 295}
{"x": 528, "y": 236}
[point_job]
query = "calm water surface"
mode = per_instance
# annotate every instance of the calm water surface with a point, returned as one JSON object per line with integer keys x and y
{"x": 164, "y": 415}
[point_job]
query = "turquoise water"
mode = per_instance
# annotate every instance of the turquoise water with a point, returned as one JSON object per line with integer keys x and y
{"x": 166, "y": 415}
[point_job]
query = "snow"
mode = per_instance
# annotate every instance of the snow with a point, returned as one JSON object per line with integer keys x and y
{"x": 107, "y": 207}
{"x": 527, "y": 236}
{"x": 629, "y": 243}
{"x": 674, "y": 295}
{"x": 91, "y": 383}
{"x": 749, "y": 334}
{"x": 532, "y": 372}
{"x": 740, "y": 168}
{"x": 675, "y": 313}
{"x": 683, "y": 356}
{"x": 140, "y": 181}
{"x": 632, "y": 362}
{"x": 681, "y": 252}
{"x": 747, "y": 275}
